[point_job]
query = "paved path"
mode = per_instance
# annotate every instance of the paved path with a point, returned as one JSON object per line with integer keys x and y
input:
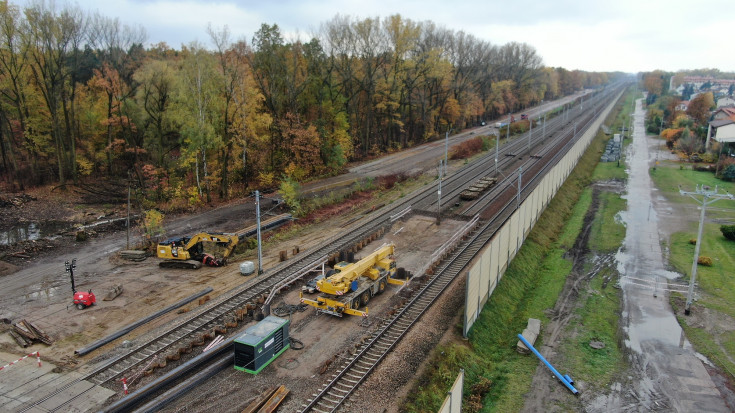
{"x": 670, "y": 376}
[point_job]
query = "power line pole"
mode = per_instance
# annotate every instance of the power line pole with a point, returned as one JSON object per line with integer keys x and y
{"x": 520, "y": 176}
{"x": 446, "y": 152}
{"x": 530, "y": 134}
{"x": 127, "y": 221}
{"x": 544, "y": 134}
{"x": 510, "y": 120}
{"x": 497, "y": 147}
{"x": 260, "y": 244}
{"x": 708, "y": 197}
{"x": 439, "y": 203}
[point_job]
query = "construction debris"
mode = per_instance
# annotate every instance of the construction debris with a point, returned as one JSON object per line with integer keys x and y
{"x": 26, "y": 334}
{"x": 478, "y": 187}
{"x": 530, "y": 334}
{"x": 113, "y": 292}
{"x": 268, "y": 401}
{"x": 133, "y": 255}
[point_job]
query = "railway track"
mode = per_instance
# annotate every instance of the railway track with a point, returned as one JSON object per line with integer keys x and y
{"x": 223, "y": 307}
{"x": 353, "y": 372}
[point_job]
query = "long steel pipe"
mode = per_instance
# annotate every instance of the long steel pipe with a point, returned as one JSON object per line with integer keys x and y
{"x": 553, "y": 370}
{"x": 125, "y": 330}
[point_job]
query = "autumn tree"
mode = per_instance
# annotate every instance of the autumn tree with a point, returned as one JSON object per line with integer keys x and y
{"x": 230, "y": 74}
{"x": 195, "y": 112}
{"x": 700, "y": 107}
{"x": 156, "y": 86}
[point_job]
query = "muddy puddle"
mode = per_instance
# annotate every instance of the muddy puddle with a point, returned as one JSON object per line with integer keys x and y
{"x": 29, "y": 231}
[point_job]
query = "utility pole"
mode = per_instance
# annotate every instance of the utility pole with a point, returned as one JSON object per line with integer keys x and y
{"x": 530, "y": 134}
{"x": 257, "y": 219}
{"x": 661, "y": 128}
{"x": 497, "y": 148}
{"x": 708, "y": 197}
{"x": 446, "y": 152}
{"x": 544, "y": 135}
{"x": 520, "y": 176}
{"x": 507, "y": 136}
{"x": 127, "y": 221}
{"x": 439, "y": 203}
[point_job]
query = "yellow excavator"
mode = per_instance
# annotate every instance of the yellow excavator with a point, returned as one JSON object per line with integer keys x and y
{"x": 188, "y": 252}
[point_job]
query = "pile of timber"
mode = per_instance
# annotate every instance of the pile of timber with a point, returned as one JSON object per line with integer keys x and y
{"x": 530, "y": 333}
{"x": 113, "y": 292}
{"x": 478, "y": 187}
{"x": 133, "y": 255}
{"x": 26, "y": 334}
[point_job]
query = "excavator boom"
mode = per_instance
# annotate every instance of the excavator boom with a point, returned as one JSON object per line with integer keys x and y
{"x": 188, "y": 252}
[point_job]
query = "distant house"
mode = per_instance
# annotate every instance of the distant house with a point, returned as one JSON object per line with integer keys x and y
{"x": 725, "y": 101}
{"x": 722, "y": 131}
{"x": 683, "y": 105}
{"x": 724, "y": 113}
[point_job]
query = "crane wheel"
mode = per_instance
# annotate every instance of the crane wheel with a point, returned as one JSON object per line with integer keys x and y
{"x": 365, "y": 297}
{"x": 356, "y": 303}
{"x": 381, "y": 286}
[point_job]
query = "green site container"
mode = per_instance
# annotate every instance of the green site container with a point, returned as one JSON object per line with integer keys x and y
{"x": 260, "y": 344}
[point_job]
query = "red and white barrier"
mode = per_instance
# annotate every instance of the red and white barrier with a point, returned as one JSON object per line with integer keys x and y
{"x": 38, "y": 358}
{"x": 125, "y": 385}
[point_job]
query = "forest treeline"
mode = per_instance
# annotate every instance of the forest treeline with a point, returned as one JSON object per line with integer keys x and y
{"x": 81, "y": 96}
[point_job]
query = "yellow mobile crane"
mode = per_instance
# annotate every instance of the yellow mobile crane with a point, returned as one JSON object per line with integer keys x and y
{"x": 188, "y": 252}
{"x": 352, "y": 285}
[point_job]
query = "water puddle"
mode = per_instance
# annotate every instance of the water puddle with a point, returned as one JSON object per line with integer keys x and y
{"x": 28, "y": 231}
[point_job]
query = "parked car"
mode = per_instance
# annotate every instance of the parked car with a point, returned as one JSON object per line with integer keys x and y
{"x": 310, "y": 286}
{"x": 524, "y": 116}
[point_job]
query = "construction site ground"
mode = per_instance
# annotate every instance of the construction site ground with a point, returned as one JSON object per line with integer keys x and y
{"x": 38, "y": 289}
{"x": 328, "y": 340}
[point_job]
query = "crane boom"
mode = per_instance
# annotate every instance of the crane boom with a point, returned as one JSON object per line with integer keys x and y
{"x": 343, "y": 281}
{"x": 353, "y": 285}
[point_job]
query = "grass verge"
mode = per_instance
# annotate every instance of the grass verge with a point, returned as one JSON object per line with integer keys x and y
{"x": 716, "y": 288}
{"x": 716, "y": 284}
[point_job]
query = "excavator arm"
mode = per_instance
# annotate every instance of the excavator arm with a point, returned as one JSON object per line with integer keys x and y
{"x": 188, "y": 252}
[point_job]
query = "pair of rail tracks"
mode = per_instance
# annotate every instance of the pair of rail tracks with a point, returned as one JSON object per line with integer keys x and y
{"x": 353, "y": 372}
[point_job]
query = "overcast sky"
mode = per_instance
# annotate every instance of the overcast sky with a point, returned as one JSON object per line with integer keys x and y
{"x": 593, "y": 35}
